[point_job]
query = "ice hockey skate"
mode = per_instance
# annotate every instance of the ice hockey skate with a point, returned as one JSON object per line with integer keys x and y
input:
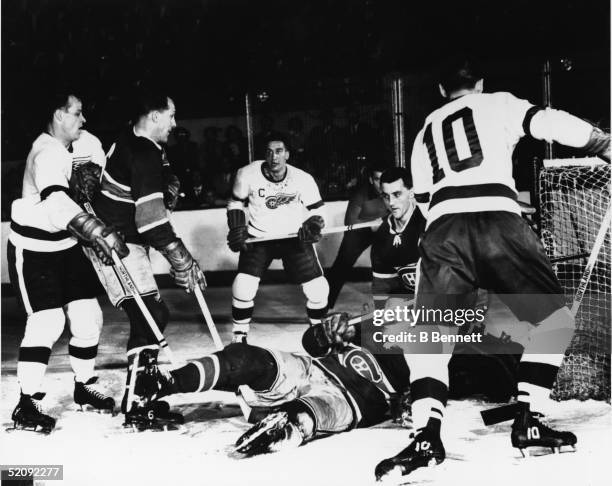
{"x": 272, "y": 434}
{"x": 425, "y": 450}
{"x": 86, "y": 396}
{"x": 146, "y": 384}
{"x": 529, "y": 431}
{"x": 28, "y": 415}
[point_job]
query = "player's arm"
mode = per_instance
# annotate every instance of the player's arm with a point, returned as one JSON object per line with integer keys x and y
{"x": 333, "y": 334}
{"x": 51, "y": 177}
{"x": 562, "y": 127}
{"x": 153, "y": 224}
{"x": 421, "y": 174}
{"x": 310, "y": 232}
{"x": 236, "y": 217}
{"x": 354, "y": 207}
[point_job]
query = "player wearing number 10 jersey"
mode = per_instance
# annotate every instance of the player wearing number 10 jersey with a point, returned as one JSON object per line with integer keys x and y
{"x": 476, "y": 238}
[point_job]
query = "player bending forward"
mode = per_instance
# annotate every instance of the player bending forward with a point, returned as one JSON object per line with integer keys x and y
{"x": 475, "y": 237}
{"x": 51, "y": 275}
{"x": 280, "y": 199}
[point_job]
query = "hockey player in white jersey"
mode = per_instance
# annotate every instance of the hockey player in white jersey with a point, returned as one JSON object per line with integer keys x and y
{"x": 54, "y": 281}
{"x": 280, "y": 199}
{"x": 476, "y": 238}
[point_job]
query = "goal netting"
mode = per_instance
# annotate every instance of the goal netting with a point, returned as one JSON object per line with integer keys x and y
{"x": 574, "y": 198}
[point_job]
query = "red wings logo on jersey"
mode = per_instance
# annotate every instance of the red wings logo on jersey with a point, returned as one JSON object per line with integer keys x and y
{"x": 272, "y": 202}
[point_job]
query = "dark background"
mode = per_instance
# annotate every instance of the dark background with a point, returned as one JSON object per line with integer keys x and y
{"x": 304, "y": 54}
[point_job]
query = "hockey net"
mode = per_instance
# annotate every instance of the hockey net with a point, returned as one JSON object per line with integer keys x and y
{"x": 574, "y": 198}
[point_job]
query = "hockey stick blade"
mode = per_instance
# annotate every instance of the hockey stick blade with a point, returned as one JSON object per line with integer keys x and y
{"x": 499, "y": 414}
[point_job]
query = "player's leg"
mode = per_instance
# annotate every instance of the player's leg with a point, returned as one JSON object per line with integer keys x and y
{"x": 81, "y": 287}
{"x": 446, "y": 281}
{"x": 252, "y": 264}
{"x": 525, "y": 281}
{"x": 36, "y": 280}
{"x": 353, "y": 244}
{"x": 302, "y": 264}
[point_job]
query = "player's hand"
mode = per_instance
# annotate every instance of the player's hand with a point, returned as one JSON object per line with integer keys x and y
{"x": 172, "y": 191}
{"x": 85, "y": 182}
{"x": 189, "y": 278}
{"x": 103, "y": 239}
{"x": 109, "y": 241}
{"x": 236, "y": 238}
{"x": 338, "y": 330}
{"x": 310, "y": 232}
{"x": 184, "y": 269}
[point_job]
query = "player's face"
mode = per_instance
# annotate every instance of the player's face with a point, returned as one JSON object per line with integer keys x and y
{"x": 397, "y": 197}
{"x": 375, "y": 180}
{"x": 165, "y": 122}
{"x": 72, "y": 119}
{"x": 277, "y": 156}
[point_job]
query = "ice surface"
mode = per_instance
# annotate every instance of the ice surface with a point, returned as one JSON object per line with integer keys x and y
{"x": 96, "y": 450}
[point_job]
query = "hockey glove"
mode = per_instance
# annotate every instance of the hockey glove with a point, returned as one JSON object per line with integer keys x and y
{"x": 172, "y": 191}
{"x": 310, "y": 232}
{"x": 85, "y": 182}
{"x": 103, "y": 239}
{"x": 238, "y": 233}
{"x": 338, "y": 330}
{"x": 184, "y": 269}
{"x": 599, "y": 144}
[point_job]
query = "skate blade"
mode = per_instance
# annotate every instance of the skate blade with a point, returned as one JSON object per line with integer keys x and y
{"x": 539, "y": 451}
{"x": 37, "y": 429}
{"x": 86, "y": 408}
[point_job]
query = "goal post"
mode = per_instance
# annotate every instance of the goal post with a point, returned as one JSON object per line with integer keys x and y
{"x": 574, "y": 204}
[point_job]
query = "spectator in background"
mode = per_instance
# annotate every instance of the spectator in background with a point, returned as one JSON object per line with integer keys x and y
{"x": 211, "y": 163}
{"x": 297, "y": 141}
{"x": 364, "y": 205}
{"x": 183, "y": 157}
{"x": 235, "y": 155}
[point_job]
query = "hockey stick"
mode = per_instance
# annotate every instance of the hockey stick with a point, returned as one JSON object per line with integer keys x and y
{"x": 128, "y": 282}
{"x": 508, "y": 412}
{"x": 586, "y": 275}
{"x": 324, "y": 231}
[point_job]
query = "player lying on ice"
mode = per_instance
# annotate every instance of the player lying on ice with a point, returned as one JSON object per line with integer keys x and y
{"x": 340, "y": 386}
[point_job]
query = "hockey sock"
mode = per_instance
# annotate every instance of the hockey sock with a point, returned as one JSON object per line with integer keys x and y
{"x": 429, "y": 398}
{"x": 315, "y": 316}
{"x": 31, "y": 368}
{"x": 83, "y": 358}
{"x": 197, "y": 376}
{"x": 242, "y": 311}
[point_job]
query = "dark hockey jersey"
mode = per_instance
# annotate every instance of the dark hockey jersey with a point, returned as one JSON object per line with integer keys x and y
{"x": 132, "y": 191}
{"x": 369, "y": 374}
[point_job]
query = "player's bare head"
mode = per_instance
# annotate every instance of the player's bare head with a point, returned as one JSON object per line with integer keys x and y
{"x": 460, "y": 76}
{"x": 396, "y": 188}
{"x": 375, "y": 171}
{"x": 277, "y": 154}
{"x": 64, "y": 112}
{"x": 154, "y": 114}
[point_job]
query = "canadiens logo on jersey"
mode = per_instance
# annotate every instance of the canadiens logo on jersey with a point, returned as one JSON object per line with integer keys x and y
{"x": 273, "y": 202}
{"x": 363, "y": 363}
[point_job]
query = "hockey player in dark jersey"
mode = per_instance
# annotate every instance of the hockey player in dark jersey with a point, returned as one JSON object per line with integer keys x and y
{"x": 395, "y": 248}
{"x": 137, "y": 190}
{"x": 52, "y": 277}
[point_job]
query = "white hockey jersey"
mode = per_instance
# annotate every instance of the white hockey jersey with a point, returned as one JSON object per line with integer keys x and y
{"x": 462, "y": 157}
{"x": 278, "y": 207}
{"x": 38, "y": 218}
